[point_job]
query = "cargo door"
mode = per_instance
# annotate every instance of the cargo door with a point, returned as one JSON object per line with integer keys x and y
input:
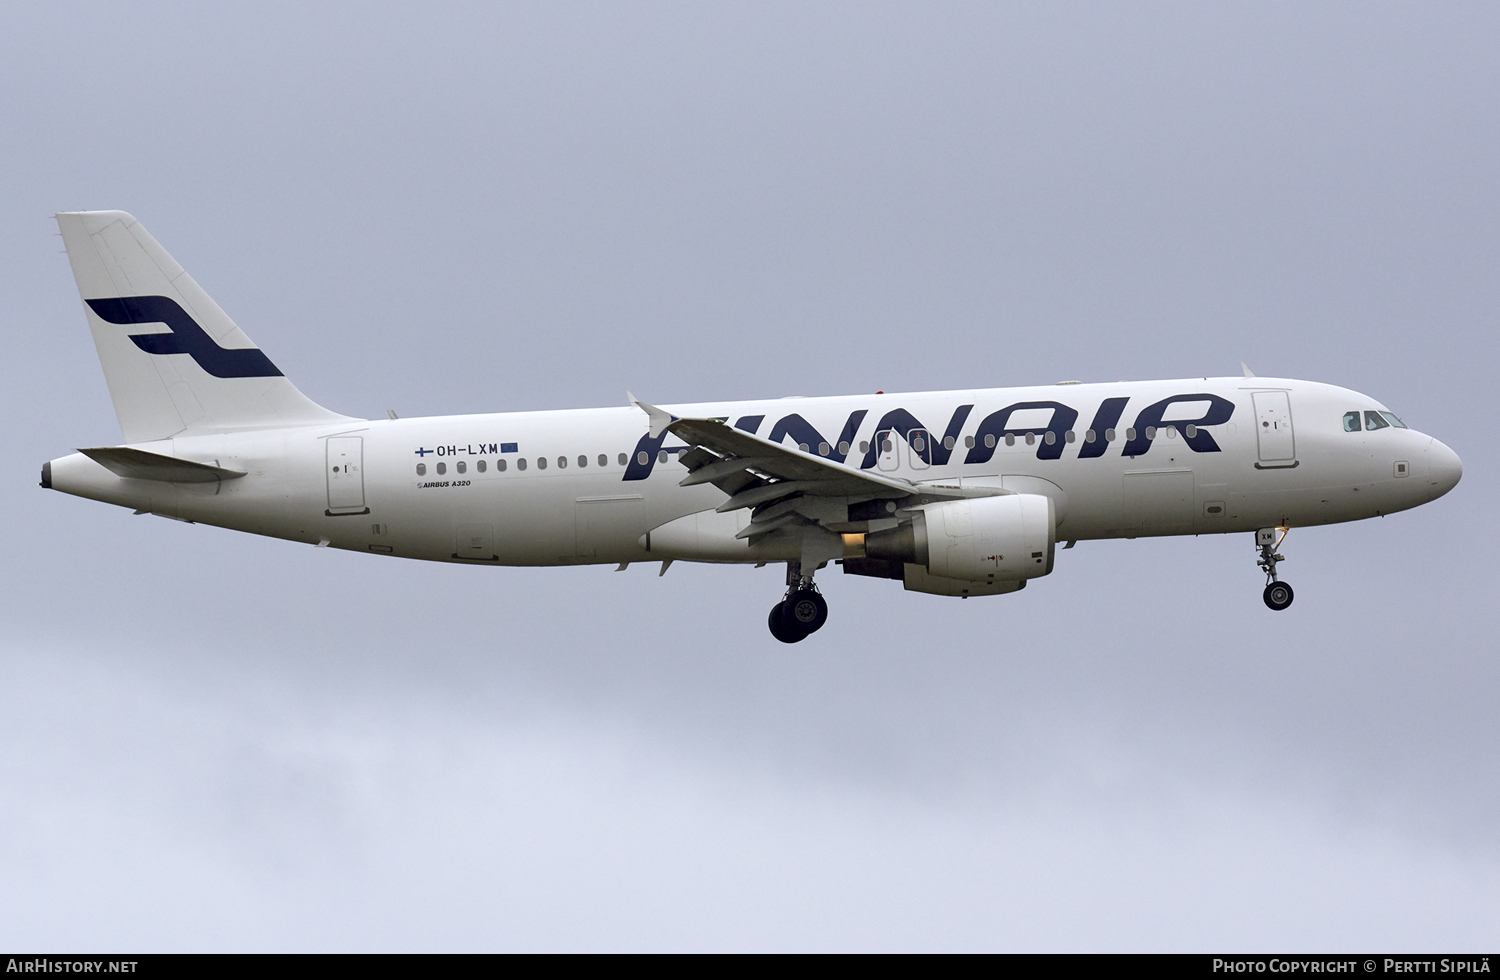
{"x": 1273, "y": 427}
{"x": 346, "y": 476}
{"x": 608, "y": 525}
{"x": 1159, "y": 501}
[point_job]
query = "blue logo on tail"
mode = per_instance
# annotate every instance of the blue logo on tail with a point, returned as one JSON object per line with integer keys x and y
{"x": 186, "y": 337}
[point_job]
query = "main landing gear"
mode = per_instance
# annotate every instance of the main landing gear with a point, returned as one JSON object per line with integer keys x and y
{"x": 1278, "y": 594}
{"x": 803, "y": 611}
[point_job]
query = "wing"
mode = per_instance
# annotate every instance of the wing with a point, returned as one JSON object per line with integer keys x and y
{"x": 785, "y": 487}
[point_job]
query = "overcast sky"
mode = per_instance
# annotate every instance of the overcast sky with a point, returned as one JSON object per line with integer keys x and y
{"x": 214, "y": 741}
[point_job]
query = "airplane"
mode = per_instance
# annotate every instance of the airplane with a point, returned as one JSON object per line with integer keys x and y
{"x": 952, "y": 493}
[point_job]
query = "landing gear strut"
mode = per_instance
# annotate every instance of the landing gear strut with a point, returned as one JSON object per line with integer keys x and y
{"x": 1278, "y": 594}
{"x": 803, "y": 611}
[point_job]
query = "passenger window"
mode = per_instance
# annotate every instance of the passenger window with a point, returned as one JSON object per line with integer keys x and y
{"x": 541, "y": 462}
{"x": 948, "y": 442}
{"x": 1393, "y": 420}
{"x": 521, "y": 463}
{"x": 1070, "y": 435}
{"x": 1089, "y": 436}
{"x": 442, "y": 468}
{"x": 583, "y": 461}
{"x": 562, "y": 462}
{"x": 1130, "y": 434}
{"x": 1373, "y": 421}
{"x": 642, "y": 458}
{"x": 989, "y": 441}
{"x": 844, "y": 448}
{"x": 421, "y": 469}
{"x": 1109, "y": 435}
{"x": 481, "y": 465}
{"x": 864, "y": 445}
{"x": 824, "y": 449}
{"x": 623, "y": 457}
{"x": 500, "y": 466}
{"x": 603, "y": 460}
{"x": 968, "y": 442}
{"x": 1351, "y": 421}
{"x": 462, "y": 466}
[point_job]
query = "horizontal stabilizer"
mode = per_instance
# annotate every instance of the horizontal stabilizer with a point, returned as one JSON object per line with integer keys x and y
{"x": 137, "y": 464}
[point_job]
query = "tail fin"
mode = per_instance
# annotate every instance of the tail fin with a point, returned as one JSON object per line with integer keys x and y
{"x": 200, "y": 374}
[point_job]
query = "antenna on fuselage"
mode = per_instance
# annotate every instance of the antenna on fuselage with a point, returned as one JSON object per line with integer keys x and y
{"x": 1246, "y": 368}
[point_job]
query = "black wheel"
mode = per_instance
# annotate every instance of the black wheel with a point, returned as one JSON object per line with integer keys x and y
{"x": 780, "y": 628}
{"x": 1278, "y": 595}
{"x": 805, "y": 611}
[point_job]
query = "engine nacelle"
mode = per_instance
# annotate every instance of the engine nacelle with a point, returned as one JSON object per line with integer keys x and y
{"x": 994, "y": 539}
{"x": 1006, "y": 538}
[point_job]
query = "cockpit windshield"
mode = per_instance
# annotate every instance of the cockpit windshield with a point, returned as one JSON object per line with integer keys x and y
{"x": 1372, "y": 421}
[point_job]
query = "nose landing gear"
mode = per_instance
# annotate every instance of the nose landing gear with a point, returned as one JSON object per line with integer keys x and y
{"x": 1278, "y": 595}
{"x": 803, "y": 611}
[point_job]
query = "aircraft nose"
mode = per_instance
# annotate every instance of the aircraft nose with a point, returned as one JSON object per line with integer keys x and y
{"x": 1444, "y": 468}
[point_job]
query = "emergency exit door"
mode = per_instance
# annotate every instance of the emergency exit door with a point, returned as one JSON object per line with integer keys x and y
{"x": 887, "y": 450}
{"x": 346, "y": 476}
{"x": 920, "y": 443}
{"x": 1273, "y": 428}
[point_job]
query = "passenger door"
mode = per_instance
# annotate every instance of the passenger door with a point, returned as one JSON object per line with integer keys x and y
{"x": 345, "y": 468}
{"x": 1273, "y": 427}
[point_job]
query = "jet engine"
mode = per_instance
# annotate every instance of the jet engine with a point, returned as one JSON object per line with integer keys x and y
{"x": 982, "y": 540}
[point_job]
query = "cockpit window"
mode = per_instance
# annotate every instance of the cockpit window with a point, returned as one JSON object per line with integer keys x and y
{"x": 1351, "y": 422}
{"x": 1393, "y": 420}
{"x": 1373, "y": 421}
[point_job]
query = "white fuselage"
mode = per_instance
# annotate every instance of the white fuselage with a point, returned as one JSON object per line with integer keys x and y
{"x": 587, "y": 485}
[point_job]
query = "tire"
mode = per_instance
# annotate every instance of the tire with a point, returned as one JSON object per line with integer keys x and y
{"x": 805, "y": 611}
{"x": 780, "y": 628}
{"x": 1278, "y": 595}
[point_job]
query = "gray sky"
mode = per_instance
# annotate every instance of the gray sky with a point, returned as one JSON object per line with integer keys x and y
{"x": 216, "y": 741}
